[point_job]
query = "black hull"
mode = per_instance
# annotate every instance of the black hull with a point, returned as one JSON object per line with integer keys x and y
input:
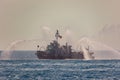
{"x": 46, "y": 55}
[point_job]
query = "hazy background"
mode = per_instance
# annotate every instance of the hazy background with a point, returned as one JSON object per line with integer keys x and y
{"x": 23, "y": 19}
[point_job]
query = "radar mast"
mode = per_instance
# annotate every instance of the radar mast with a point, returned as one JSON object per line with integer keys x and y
{"x": 57, "y": 35}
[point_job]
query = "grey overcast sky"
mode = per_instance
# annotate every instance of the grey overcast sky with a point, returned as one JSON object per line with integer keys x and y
{"x": 23, "y": 19}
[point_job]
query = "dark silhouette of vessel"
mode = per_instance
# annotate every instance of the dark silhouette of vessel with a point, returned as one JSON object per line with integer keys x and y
{"x": 56, "y": 51}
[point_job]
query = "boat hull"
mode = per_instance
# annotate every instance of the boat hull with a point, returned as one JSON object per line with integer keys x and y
{"x": 47, "y": 55}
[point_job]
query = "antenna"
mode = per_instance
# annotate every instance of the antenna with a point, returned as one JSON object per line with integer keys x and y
{"x": 57, "y": 35}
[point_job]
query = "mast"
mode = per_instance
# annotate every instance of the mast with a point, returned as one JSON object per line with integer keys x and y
{"x": 57, "y": 35}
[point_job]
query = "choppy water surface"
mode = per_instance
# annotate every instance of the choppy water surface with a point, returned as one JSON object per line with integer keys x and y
{"x": 60, "y": 70}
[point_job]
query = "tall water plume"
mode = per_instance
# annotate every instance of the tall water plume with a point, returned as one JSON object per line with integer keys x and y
{"x": 30, "y": 44}
{"x": 101, "y": 51}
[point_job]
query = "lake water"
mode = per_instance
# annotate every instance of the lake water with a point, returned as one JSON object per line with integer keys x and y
{"x": 60, "y": 70}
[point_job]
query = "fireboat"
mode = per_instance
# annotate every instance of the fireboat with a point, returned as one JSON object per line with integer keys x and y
{"x": 56, "y": 51}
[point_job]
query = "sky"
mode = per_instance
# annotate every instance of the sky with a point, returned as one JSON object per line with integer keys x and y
{"x": 24, "y": 19}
